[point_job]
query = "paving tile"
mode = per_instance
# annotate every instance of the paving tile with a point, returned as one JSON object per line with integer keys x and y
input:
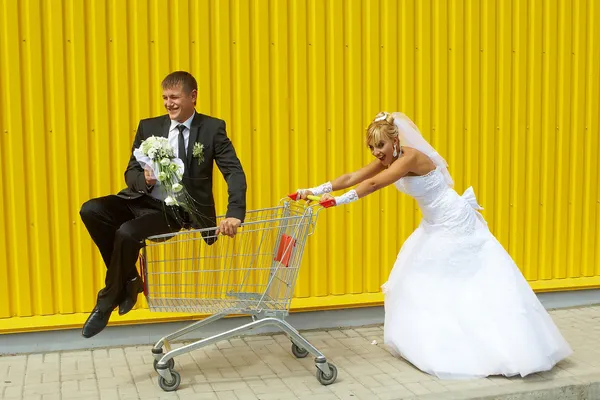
{"x": 263, "y": 368}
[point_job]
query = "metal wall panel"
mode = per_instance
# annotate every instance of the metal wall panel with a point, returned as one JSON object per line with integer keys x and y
{"x": 507, "y": 91}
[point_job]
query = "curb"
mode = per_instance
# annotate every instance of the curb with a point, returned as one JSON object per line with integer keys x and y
{"x": 580, "y": 388}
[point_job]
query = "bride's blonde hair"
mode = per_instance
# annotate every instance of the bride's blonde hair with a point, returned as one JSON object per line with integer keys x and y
{"x": 381, "y": 127}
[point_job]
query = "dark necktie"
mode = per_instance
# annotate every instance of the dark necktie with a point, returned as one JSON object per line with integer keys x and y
{"x": 182, "y": 154}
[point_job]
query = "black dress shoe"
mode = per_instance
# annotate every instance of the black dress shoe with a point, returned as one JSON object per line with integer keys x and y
{"x": 133, "y": 288}
{"x": 95, "y": 323}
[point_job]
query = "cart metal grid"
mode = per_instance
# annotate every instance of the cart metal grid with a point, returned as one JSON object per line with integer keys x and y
{"x": 253, "y": 274}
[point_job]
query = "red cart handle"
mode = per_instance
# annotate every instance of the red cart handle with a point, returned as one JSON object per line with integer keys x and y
{"x": 326, "y": 204}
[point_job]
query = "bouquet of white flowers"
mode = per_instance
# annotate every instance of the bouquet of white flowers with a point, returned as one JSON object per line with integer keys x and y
{"x": 157, "y": 155}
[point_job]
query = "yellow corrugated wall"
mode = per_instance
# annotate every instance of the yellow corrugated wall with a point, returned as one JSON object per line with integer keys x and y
{"x": 507, "y": 91}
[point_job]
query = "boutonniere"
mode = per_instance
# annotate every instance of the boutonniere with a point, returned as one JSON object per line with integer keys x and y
{"x": 199, "y": 152}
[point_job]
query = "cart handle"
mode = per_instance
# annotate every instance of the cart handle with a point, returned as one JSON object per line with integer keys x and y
{"x": 325, "y": 204}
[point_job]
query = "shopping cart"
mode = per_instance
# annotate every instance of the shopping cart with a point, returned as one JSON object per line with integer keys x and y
{"x": 253, "y": 274}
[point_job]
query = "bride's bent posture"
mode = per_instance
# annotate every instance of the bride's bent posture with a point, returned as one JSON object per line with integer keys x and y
{"x": 456, "y": 305}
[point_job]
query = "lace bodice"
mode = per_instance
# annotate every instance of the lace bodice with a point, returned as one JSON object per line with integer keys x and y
{"x": 441, "y": 206}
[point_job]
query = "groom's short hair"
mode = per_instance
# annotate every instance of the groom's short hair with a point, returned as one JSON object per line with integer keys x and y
{"x": 180, "y": 77}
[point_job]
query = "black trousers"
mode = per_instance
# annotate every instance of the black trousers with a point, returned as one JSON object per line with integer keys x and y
{"x": 119, "y": 226}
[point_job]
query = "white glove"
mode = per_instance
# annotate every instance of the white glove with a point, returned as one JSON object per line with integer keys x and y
{"x": 317, "y": 191}
{"x": 348, "y": 197}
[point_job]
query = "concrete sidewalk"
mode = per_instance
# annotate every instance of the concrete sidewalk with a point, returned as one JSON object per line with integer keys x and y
{"x": 262, "y": 367}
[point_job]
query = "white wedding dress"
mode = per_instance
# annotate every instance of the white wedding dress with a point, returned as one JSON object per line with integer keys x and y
{"x": 456, "y": 305}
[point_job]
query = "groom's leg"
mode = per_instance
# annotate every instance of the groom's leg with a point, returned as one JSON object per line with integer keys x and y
{"x": 152, "y": 218}
{"x": 102, "y": 217}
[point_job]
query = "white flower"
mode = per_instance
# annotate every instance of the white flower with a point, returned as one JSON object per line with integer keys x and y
{"x": 198, "y": 152}
{"x": 170, "y": 201}
{"x": 162, "y": 176}
{"x": 165, "y": 161}
{"x": 177, "y": 187}
{"x": 158, "y": 148}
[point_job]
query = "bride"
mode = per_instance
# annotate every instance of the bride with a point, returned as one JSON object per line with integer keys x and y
{"x": 456, "y": 305}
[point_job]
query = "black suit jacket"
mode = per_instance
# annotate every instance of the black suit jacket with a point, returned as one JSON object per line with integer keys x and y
{"x": 197, "y": 179}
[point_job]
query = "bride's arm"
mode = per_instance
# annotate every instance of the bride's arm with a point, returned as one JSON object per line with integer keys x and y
{"x": 353, "y": 178}
{"x": 345, "y": 181}
{"x": 397, "y": 170}
{"x": 370, "y": 185}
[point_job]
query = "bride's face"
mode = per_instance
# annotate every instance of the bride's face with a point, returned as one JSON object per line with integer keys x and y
{"x": 384, "y": 151}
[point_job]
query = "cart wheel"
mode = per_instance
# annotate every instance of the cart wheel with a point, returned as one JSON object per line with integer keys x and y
{"x": 170, "y": 386}
{"x": 170, "y": 363}
{"x": 327, "y": 379}
{"x": 298, "y": 351}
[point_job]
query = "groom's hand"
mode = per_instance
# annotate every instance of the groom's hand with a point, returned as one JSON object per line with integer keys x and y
{"x": 229, "y": 226}
{"x": 150, "y": 179}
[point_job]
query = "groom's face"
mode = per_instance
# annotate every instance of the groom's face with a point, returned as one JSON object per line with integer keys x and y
{"x": 179, "y": 103}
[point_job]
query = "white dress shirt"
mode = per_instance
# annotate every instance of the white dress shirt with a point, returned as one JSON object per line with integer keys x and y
{"x": 174, "y": 134}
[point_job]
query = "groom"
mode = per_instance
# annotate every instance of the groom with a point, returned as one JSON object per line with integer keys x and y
{"x": 118, "y": 224}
